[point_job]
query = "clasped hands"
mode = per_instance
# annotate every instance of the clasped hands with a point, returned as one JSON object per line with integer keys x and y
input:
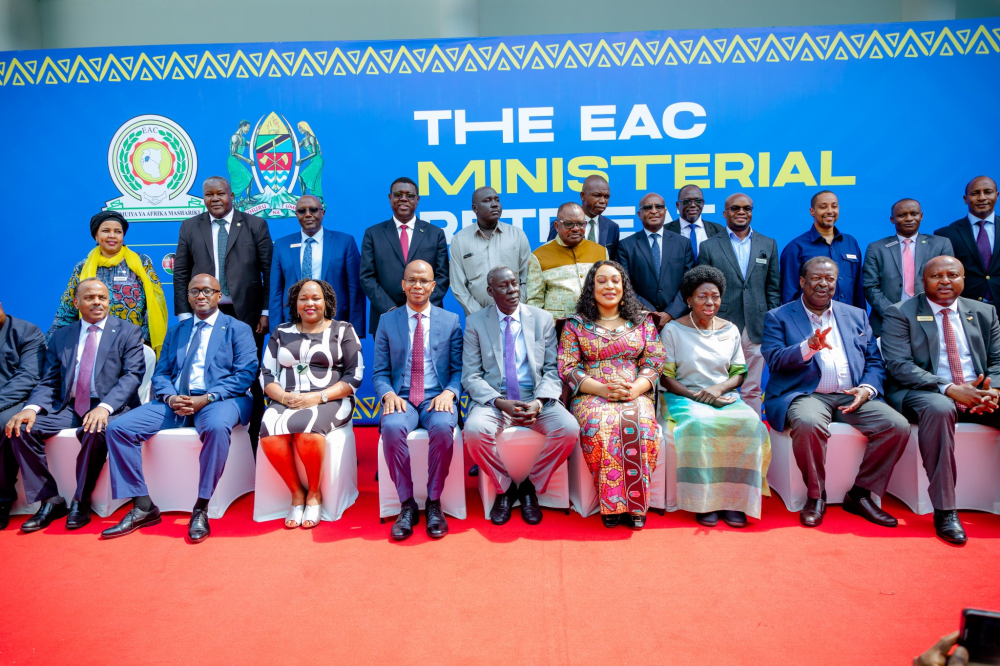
{"x": 977, "y": 396}
{"x": 619, "y": 390}
{"x": 187, "y": 405}
{"x": 521, "y": 413}
{"x": 443, "y": 402}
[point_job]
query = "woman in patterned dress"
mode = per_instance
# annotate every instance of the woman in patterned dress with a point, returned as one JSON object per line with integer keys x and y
{"x": 610, "y": 356}
{"x": 136, "y": 294}
{"x": 311, "y": 368}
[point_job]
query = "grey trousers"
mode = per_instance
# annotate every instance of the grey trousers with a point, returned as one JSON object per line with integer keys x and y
{"x": 750, "y": 392}
{"x": 809, "y": 418}
{"x": 483, "y": 424}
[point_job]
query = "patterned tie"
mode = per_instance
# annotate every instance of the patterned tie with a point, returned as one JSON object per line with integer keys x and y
{"x": 184, "y": 386}
{"x": 592, "y": 230}
{"x": 81, "y": 399}
{"x": 404, "y": 242}
{"x": 908, "y": 267}
{"x": 417, "y": 364}
{"x": 220, "y": 251}
{"x": 657, "y": 253}
{"x": 951, "y": 346}
{"x": 307, "y": 258}
{"x": 694, "y": 243}
{"x": 510, "y": 361}
{"x": 983, "y": 243}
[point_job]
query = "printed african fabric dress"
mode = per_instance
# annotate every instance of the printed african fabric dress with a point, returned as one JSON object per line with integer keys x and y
{"x": 722, "y": 452}
{"x": 620, "y": 440}
{"x": 305, "y": 362}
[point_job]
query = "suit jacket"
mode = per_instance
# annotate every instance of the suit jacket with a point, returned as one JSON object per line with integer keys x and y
{"x": 230, "y": 365}
{"x": 911, "y": 347}
{"x": 659, "y": 293}
{"x": 392, "y": 349}
{"x": 883, "y": 271}
{"x": 22, "y": 358}
{"x": 482, "y": 370}
{"x": 248, "y": 262}
{"x": 746, "y": 300}
{"x": 784, "y": 330}
{"x": 119, "y": 367}
{"x": 341, "y": 268}
{"x": 980, "y": 280}
{"x": 711, "y": 229}
{"x": 608, "y": 233}
{"x": 382, "y": 270}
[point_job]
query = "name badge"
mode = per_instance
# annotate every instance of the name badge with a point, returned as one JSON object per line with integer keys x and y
{"x": 466, "y": 256}
{"x": 925, "y": 317}
{"x": 896, "y": 242}
{"x": 121, "y": 278}
{"x": 852, "y": 256}
{"x": 761, "y": 260}
{"x": 295, "y": 245}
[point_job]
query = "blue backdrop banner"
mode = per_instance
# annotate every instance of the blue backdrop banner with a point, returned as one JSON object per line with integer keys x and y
{"x": 874, "y": 112}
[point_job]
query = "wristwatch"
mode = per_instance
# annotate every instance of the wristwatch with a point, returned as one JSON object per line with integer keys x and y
{"x": 322, "y": 396}
{"x": 211, "y": 397}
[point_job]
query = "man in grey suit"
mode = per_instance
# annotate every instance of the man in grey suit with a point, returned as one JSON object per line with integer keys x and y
{"x": 894, "y": 265}
{"x": 749, "y": 260}
{"x": 510, "y": 372}
{"x": 942, "y": 354}
{"x": 690, "y": 203}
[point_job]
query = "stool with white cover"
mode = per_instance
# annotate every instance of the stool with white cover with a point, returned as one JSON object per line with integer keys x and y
{"x": 519, "y": 448}
{"x": 453, "y": 495}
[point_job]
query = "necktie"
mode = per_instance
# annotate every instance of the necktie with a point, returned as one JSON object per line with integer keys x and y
{"x": 404, "y": 242}
{"x": 657, "y": 253}
{"x": 417, "y": 364}
{"x": 220, "y": 252}
{"x": 694, "y": 243}
{"x": 510, "y": 361}
{"x": 592, "y": 230}
{"x": 908, "y": 267}
{"x": 81, "y": 399}
{"x": 951, "y": 346}
{"x": 184, "y": 385}
{"x": 983, "y": 243}
{"x": 307, "y": 259}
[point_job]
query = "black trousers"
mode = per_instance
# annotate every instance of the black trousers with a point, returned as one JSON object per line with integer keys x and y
{"x": 8, "y": 463}
{"x": 256, "y": 390}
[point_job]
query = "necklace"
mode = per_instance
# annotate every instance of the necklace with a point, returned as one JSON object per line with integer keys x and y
{"x": 617, "y": 316}
{"x": 702, "y": 334}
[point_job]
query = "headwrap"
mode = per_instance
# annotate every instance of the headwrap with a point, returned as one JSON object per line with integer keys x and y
{"x": 95, "y": 222}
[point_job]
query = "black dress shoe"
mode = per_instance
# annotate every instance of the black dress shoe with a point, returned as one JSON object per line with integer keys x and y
{"x": 133, "y": 520}
{"x": 502, "y": 506}
{"x": 949, "y": 527}
{"x": 474, "y": 470}
{"x": 530, "y": 511}
{"x": 867, "y": 509}
{"x": 79, "y": 515}
{"x": 198, "y": 528}
{"x": 45, "y": 516}
{"x": 710, "y": 519}
{"x": 407, "y": 518}
{"x": 812, "y": 514}
{"x": 611, "y": 519}
{"x": 734, "y": 518}
{"x": 437, "y": 526}
{"x": 638, "y": 520}
{"x": 5, "y": 514}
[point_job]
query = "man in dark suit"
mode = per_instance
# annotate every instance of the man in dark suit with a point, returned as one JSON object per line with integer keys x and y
{"x": 388, "y": 246}
{"x": 942, "y": 354}
{"x": 236, "y": 249}
{"x": 93, "y": 369}
{"x": 749, "y": 260}
{"x": 202, "y": 379}
{"x": 974, "y": 240}
{"x": 22, "y": 356}
{"x": 594, "y": 197}
{"x": 655, "y": 260}
{"x": 894, "y": 265}
{"x": 320, "y": 254}
{"x": 825, "y": 366}
{"x": 418, "y": 377}
{"x": 690, "y": 203}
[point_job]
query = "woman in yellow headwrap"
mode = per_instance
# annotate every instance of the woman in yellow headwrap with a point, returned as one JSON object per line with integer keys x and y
{"x": 136, "y": 294}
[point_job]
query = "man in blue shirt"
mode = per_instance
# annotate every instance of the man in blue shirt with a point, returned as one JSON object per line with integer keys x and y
{"x": 824, "y": 240}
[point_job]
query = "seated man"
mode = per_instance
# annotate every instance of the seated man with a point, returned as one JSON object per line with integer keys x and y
{"x": 942, "y": 353}
{"x": 93, "y": 369}
{"x": 509, "y": 370}
{"x": 825, "y": 366}
{"x": 202, "y": 379}
{"x": 418, "y": 377}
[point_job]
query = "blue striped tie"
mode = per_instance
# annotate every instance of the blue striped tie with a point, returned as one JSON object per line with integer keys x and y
{"x": 307, "y": 258}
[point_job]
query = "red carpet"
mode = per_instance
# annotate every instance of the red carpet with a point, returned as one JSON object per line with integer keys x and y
{"x": 568, "y": 591}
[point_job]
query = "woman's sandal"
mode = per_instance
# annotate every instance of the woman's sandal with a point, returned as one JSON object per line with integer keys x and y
{"x": 294, "y": 517}
{"x": 311, "y": 515}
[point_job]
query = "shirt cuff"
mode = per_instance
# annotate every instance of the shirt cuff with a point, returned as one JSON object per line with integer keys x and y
{"x": 111, "y": 410}
{"x": 35, "y": 408}
{"x": 944, "y": 388}
{"x": 871, "y": 390}
{"x": 263, "y": 313}
{"x": 184, "y": 316}
{"x": 807, "y": 351}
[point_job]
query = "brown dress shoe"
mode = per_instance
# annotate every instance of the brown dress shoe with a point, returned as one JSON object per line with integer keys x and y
{"x": 812, "y": 514}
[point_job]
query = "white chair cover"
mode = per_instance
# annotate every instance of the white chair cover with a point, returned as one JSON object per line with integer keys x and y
{"x": 453, "y": 495}
{"x": 519, "y": 448}
{"x": 147, "y": 377}
{"x": 338, "y": 483}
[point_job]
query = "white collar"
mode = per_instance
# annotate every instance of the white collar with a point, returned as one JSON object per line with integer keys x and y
{"x": 425, "y": 312}
{"x": 84, "y": 325}
{"x": 210, "y": 321}
{"x": 736, "y": 238}
{"x": 991, "y": 218}
{"x": 412, "y": 224}
{"x": 228, "y": 217}
{"x": 937, "y": 308}
{"x": 810, "y": 313}
{"x": 903, "y": 239}
{"x": 318, "y": 237}
{"x": 516, "y": 315}
{"x": 650, "y": 233}
{"x": 696, "y": 223}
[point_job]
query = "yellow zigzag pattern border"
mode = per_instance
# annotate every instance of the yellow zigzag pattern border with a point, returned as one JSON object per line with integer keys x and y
{"x": 501, "y": 57}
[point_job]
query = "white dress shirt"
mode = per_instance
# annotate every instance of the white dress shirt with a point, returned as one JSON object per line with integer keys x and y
{"x": 741, "y": 247}
{"x": 943, "y": 369}
{"x": 215, "y": 247}
{"x": 80, "y": 344}
{"x": 410, "y": 227}
{"x": 990, "y": 226}
{"x": 520, "y": 348}
{"x": 659, "y": 240}
{"x": 196, "y": 382}
{"x": 430, "y": 373}
{"x": 699, "y": 228}
{"x": 835, "y": 370}
{"x": 317, "y": 256}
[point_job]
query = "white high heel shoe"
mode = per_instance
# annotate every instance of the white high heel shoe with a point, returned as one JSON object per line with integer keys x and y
{"x": 311, "y": 515}
{"x": 294, "y": 517}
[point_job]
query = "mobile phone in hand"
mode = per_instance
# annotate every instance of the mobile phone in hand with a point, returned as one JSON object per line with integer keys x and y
{"x": 980, "y": 635}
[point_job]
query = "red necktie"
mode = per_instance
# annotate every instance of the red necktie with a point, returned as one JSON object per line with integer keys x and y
{"x": 417, "y": 363}
{"x": 951, "y": 346}
{"x": 404, "y": 243}
{"x": 908, "y": 267}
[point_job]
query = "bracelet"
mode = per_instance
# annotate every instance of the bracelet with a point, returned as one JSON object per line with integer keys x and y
{"x": 283, "y": 394}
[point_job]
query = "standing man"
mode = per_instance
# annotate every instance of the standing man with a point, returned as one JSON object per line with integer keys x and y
{"x": 388, "y": 246}
{"x": 556, "y": 270}
{"x": 594, "y": 196}
{"x": 418, "y": 378}
{"x": 480, "y": 247}
{"x": 894, "y": 265}
{"x": 749, "y": 260}
{"x": 974, "y": 239}
{"x": 825, "y": 366}
{"x": 655, "y": 259}
{"x": 234, "y": 248}
{"x": 824, "y": 240}
{"x": 690, "y": 203}
{"x": 319, "y": 254}
{"x": 942, "y": 353}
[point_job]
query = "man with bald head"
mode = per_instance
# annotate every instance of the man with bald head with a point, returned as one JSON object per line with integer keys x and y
{"x": 690, "y": 202}
{"x": 557, "y": 269}
{"x": 594, "y": 197}
{"x": 202, "y": 380}
{"x": 894, "y": 265}
{"x": 942, "y": 356}
{"x": 974, "y": 239}
{"x": 655, "y": 260}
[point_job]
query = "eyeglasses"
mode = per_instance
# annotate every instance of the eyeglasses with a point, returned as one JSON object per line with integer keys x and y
{"x": 415, "y": 282}
{"x": 573, "y": 225}
{"x": 649, "y": 207}
{"x": 207, "y": 291}
{"x": 692, "y": 202}
{"x": 410, "y": 196}
{"x": 308, "y": 209}
{"x": 736, "y": 209}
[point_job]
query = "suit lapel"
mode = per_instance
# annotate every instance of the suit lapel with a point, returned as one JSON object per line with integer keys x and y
{"x": 493, "y": 331}
{"x": 892, "y": 246}
{"x": 215, "y": 340}
{"x": 328, "y": 241}
{"x": 392, "y": 239}
{"x": 68, "y": 358}
{"x": 727, "y": 249}
{"x": 841, "y": 316}
{"x": 403, "y": 330}
{"x": 977, "y": 346}
{"x": 929, "y": 327}
{"x": 642, "y": 240}
{"x": 965, "y": 233}
{"x": 416, "y": 237}
{"x": 205, "y": 225}
{"x": 602, "y": 230}
{"x": 8, "y": 330}
{"x": 801, "y": 319}
{"x": 234, "y": 230}
{"x": 183, "y": 337}
{"x": 111, "y": 327}
{"x": 528, "y": 330}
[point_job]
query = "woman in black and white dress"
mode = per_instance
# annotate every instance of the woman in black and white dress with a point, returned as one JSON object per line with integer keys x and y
{"x": 311, "y": 368}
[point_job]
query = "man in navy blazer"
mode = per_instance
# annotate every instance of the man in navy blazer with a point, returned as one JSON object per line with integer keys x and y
{"x": 92, "y": 372}
{"x": 594, "y": 197}
{"x": 326, "y": 255}
{"x": 825, "y": 366}
{"x": 418, "y": 378}
{"x": 974, "y": 240}
{"x": 202, "y": 379}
